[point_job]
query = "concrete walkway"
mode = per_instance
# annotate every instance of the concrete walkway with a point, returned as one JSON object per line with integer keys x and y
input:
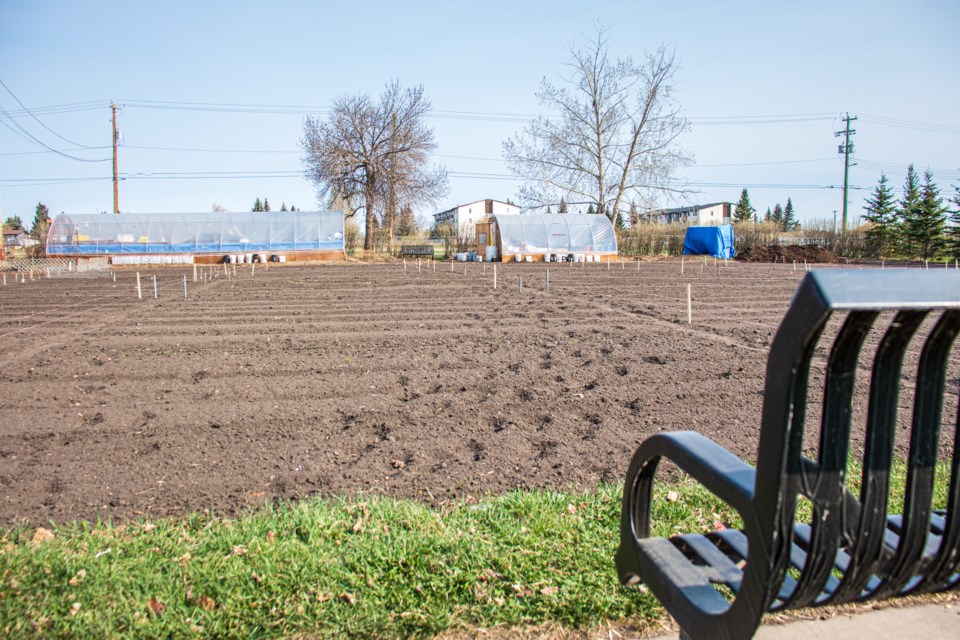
{"x": 926, "y": 622}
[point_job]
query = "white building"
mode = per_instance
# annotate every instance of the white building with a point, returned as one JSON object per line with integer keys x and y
{"x": 463, "y": 217}
{"x": 701, "y": 215}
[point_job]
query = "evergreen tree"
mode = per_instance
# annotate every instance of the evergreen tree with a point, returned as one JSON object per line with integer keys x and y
{"x": 634, "y": 215}
{"x": 549, "y": 210}
{"x": 790, "y": 222}
{"x": 619, "y": 223}
{"x": 563, "y": 206}
{"x": 590, "y": 209}
{"x": 953, "y": 231}
{"x": 41, "y": 223}
{"x": 925, "y": 228}
{"x": 881, "y": 213}
{"x": 266, "y": 205}
{"x": 777, "y": 216}
{"x": 767, "y": 216}
{"x": 13, "y": 222}
{"x": 407, "y": 224}
{"x": 257, "y": 206}
{"x": 283, "y": 206}
{"x": 744, "y": 211}
{"x": 909, "y": 211}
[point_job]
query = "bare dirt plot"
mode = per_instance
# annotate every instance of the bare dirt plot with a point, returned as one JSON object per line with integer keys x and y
{"x": 383, "y": 379}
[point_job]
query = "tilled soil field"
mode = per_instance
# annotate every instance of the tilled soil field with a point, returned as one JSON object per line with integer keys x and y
{"x": 413, "y": 381}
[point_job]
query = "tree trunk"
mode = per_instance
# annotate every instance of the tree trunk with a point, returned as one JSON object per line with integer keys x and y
{"x": 370, "y": 198}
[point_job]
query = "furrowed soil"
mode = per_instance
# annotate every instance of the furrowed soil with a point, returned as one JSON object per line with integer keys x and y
{"x": 424, "y": 383}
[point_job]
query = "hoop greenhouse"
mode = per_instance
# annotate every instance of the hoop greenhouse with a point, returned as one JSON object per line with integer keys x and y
{"x": 215, "y": 233}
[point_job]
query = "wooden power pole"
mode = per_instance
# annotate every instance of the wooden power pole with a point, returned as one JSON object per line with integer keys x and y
{"x": 116, "y": 192}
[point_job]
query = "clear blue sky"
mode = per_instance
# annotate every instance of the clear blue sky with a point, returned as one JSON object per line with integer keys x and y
{"x": 895, "y": 65}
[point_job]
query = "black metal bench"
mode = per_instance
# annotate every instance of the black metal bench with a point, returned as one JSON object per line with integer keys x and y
{"x": 417, "y": 250}
{"x": 718, "y": 585}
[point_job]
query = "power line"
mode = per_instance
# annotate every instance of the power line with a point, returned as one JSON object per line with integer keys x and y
{"x": 38, "y": 119}
{"x": 39, "y": 142}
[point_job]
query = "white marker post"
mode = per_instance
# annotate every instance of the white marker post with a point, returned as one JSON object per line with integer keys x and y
{"x": 154, "y": 287}
{"x": 494, "y": 276}
{"x": 548, "y": 279}
{"x": 194, "y": 271}
{"x": 184, "y": 286}
{"x": 681, "y": 265}
{"x": 689, "y": 306}
{"x": 139, "y": 296}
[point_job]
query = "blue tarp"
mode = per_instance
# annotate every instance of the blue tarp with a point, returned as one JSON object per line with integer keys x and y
{"x": 710, "y": 241}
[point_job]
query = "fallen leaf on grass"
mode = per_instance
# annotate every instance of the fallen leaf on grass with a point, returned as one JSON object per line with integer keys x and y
{"x": 571, "y": 509}
{"x": 673, "y": 496}
{"x": 358, "y": 525}
{"x": 206, "y": 603}
{"x": 42, "y": 535}
{"x": 550, "y": 591}
{"x": 349, "y": 598}
{"x": 719, "y": 526}
{"x": 77, "y": 579}
{"x": 271, "y": 536}
{"x": 156, "y": 606}
{"x": 74, "y": 608}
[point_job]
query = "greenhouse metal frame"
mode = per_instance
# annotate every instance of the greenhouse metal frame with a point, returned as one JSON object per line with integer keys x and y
{"x": 195, "y": 233}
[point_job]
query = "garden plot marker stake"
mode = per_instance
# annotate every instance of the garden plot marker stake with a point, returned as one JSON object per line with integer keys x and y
{"x": 548, "y": 279}
{"x": 520, "y": 283}
{"x": 184, "y": 286}
{"x": 681, "y": 265}
{"x": 139, "y": 296}
{"x": 494, "y": 276}
{"x": 154, "y": 287}
{"x": 114, "y": 276}
{"x": 194, "y": 271}
{"x": 689, "y": 306}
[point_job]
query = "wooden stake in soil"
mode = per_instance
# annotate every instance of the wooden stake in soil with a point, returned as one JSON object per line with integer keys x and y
{"x": 139, "y": 296}
{"x": 184, "y": 286}
{"x": 520, "y": 282}
{"x": 689, "y": 306}
{"x": 234, "y": 268}
{"x": 548, "y": 279}
{"x": 154, "y": 287}
{"x": 494, "y": 276}
{"x": 225, "y": 272}
{"x": 114, "y": 276}
{"x": 253, "y": 269}
{"x": 194, "y": 271}
{"x": 681, "y": 265}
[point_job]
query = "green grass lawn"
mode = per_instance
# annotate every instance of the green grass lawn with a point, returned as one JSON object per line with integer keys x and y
{"x": 348, "y": 567}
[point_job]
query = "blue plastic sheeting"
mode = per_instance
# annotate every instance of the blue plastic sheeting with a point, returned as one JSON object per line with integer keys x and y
{"x": 213, "y": 232}
{"x": 710, "y": 241}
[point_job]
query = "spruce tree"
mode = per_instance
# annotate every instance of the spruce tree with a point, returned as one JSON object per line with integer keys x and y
{"x": 13, "y": 222}
{"x": 744, "y": 211}
{"x": 266, "y": 205}
{"x": 789, "y": 222}
{"x": 283, "y": 206}
{"x": 777, "y": 216}
{"x": 619, "y": 223}
{"x": 590, "y": 209}
{"x": 634, "y": 214}
{"x": 881, "y": 213}
{"x": 563, "y": 206}
{"x": 953, "y": 231}
{"x": 767, "y": 216}
{"x": 908, "y": 212}
{"x": 926, "y": 227}
{"x": 257, "y": 206}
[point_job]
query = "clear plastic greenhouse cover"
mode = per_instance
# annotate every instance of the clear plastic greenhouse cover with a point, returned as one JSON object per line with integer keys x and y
{"x": 556, "y": 233}
{"x": 214, "y": 232}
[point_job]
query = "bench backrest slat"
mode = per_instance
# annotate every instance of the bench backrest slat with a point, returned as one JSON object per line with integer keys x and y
{"x": 841, "y": 522}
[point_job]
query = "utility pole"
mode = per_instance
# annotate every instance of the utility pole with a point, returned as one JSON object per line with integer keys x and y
{"x": 116, "y": 193}
{"x": 846, "y": 148}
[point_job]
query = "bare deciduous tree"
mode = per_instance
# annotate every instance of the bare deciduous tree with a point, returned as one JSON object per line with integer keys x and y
{"x": 613, "y": 138}
{"x": 372, "y": 155}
